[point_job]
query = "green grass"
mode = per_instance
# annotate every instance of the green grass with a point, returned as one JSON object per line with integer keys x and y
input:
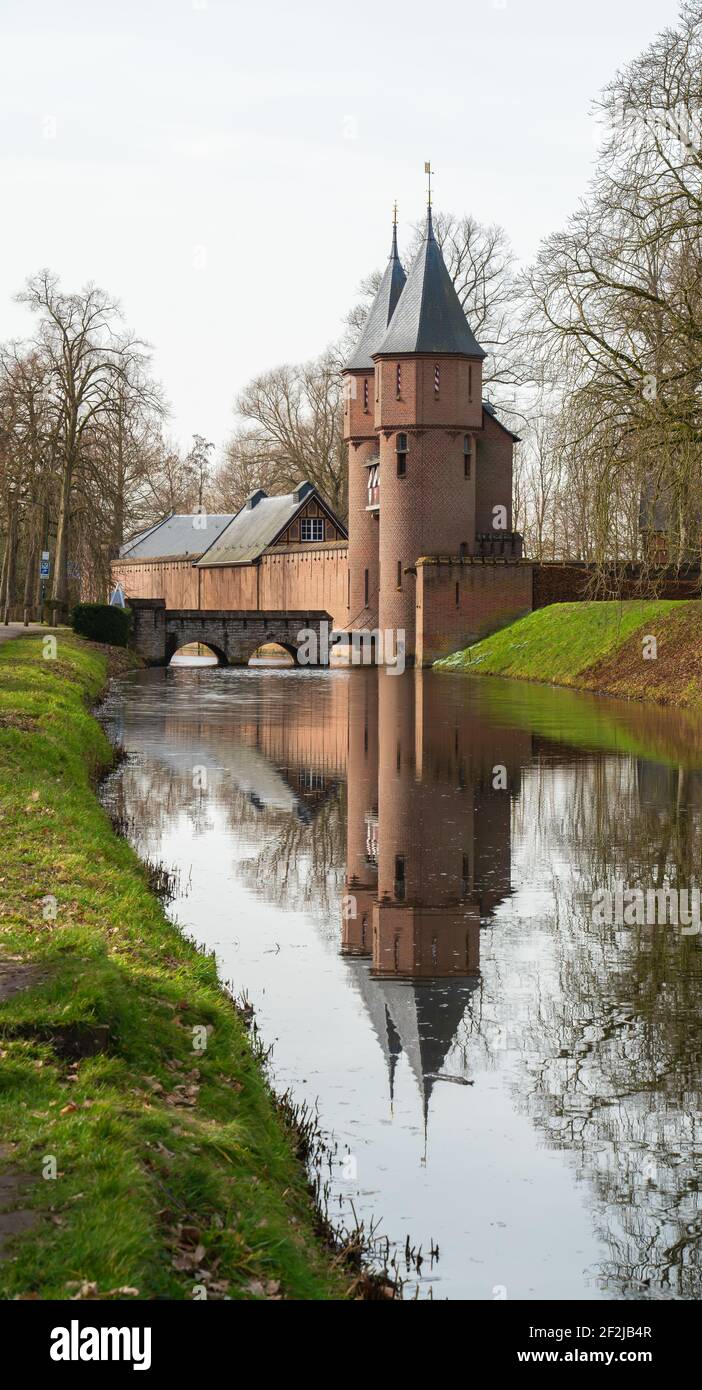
{"x": 151, "y": 1194}
{"x": 560, "y": 642}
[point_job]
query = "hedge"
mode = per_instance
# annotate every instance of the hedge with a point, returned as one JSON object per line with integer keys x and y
{"x": 102, "y": 622}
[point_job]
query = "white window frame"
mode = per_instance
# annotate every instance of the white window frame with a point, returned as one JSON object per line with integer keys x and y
{"x": 312, "y": 525}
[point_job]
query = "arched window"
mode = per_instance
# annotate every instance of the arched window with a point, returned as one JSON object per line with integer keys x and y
{"x": 466, "y": 455}
{"x": 401, "y": 452}
{"x": 437, "y": 379}
{"x": 398, "y": 380}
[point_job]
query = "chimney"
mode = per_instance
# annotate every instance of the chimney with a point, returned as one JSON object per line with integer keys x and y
{"x": 254, "y": 499}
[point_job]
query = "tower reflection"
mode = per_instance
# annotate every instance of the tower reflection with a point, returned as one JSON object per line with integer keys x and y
{"x": 428, "y": 859}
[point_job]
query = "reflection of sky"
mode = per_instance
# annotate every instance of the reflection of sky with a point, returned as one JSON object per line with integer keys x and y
{"x": 493, "y": 1182}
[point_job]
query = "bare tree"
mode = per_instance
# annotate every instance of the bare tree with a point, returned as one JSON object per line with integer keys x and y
{"x": 87, "y": 359}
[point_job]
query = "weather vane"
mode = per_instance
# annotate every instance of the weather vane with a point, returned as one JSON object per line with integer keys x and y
{"x": 428, "y": 171}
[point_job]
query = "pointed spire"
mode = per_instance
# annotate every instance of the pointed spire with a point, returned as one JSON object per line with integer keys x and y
{"x": 381, "y": 310}
{"x": 429, "y": 316}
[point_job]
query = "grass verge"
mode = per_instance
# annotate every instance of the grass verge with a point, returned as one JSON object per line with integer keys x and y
{"x": 599, "y": 646}
{"x": 175, "y": 1169}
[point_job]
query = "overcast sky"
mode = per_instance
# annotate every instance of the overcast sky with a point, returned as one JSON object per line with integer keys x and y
{"x": 228, "y": 169}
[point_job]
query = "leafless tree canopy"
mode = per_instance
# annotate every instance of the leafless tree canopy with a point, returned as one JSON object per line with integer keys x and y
{"x": 612, "y": 310}
{"x": 594, "y": 355}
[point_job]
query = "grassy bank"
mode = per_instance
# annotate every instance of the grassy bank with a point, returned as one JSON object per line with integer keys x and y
{"x": 600, "y": 647}
{"x": 175, "y": 1168}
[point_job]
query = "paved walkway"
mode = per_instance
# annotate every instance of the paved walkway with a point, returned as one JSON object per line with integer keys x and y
{"x": 12, "y": 630}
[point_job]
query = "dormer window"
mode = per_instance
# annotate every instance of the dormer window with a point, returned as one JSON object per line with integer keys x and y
{"x": 466, "y": 455}
{"x": 437, "y": 379}
{"x": 401, "y": 452}
{"x": 398, "y": 380}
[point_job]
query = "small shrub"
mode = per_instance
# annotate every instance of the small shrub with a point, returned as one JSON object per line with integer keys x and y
{"x": 102, "y": 622}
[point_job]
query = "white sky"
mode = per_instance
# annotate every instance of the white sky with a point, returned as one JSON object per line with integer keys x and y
{"x": 270, "y": 138}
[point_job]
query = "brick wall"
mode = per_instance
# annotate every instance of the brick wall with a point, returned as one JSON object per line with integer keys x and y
{"x": 286, "y": 579}
{"x": 493, "y": 474}
{"x": 569, "y": 583}
{"x": 458, "y": 602}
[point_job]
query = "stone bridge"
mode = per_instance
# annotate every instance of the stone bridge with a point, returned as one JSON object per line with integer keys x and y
{"x": 159, "y": 632}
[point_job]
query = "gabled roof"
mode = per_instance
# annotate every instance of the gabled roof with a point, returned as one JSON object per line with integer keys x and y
{"x": 489, "y": 409}
{"x": 429, "y": 316}
{"x": 259, "y": 523}
{"x": 179, "y": 535}
{"x": 380, "y": 312}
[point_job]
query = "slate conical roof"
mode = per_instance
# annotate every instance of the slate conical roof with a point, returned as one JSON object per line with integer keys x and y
{"x": 429, "y": 317}
{"x": 380, "y": 312}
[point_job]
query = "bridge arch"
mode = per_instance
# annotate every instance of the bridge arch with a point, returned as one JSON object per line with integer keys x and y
{"x": 233, "y": 635}
{"x": 174, "y": 644}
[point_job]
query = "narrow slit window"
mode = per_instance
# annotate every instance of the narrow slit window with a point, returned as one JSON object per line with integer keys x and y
{"x": 466, "y": 455}
{"x": 458, "y": 595}
{"x": 400, "y": 877}
{"x": 470, "y": 381}
{"x": 399, "y": 574}
{"x": 365, "y": 394}
{"x": 401, "y": 449}
{"x": 398, "y": 380}
{"x": 437, "y": 379}
{"x": 365, "y": 587}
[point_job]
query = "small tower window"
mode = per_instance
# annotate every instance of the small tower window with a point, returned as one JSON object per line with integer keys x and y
{"x": 437, "y": 379}
{"x": 470, "y": 381}
{"x": 401, "y": 450}
{"x": 365, "y": 395}
{"x": 398, "y": 380}
{"x": 365, "y": 588}
{"x": 399, "y": 574}
{"x": 400, "y": 882}
{"x": 458, "y": 595}
{"x": 466, "y": 455}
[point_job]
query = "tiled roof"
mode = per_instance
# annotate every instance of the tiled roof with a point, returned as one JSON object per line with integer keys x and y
{"x": 429, "y": 316}
{"x": 380, "y": 312}
{"x": 180, "y": 534}
{"x": 257, "y": 525}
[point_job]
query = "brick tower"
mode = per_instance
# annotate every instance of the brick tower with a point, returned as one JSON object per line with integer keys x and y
{"x": 428, "y": 412}
{"x": 361, "y": 434}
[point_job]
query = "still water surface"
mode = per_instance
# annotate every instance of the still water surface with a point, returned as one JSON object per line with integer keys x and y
{"x": 398, "y": 871}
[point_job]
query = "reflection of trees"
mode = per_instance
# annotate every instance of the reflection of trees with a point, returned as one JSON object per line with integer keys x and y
{"x": 300, "y": 862}
{"x": 298, "y": 852}
{"x": 612, "y": 1034}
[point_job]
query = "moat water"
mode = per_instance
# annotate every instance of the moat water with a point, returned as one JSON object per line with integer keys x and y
{"x": 398, "y": 872}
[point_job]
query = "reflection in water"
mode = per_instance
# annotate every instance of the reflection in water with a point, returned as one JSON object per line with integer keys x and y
{"x": 399, "y": 871}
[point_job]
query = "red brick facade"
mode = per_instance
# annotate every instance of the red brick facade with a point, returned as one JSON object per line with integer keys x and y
{"x": 460, "y": 602}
